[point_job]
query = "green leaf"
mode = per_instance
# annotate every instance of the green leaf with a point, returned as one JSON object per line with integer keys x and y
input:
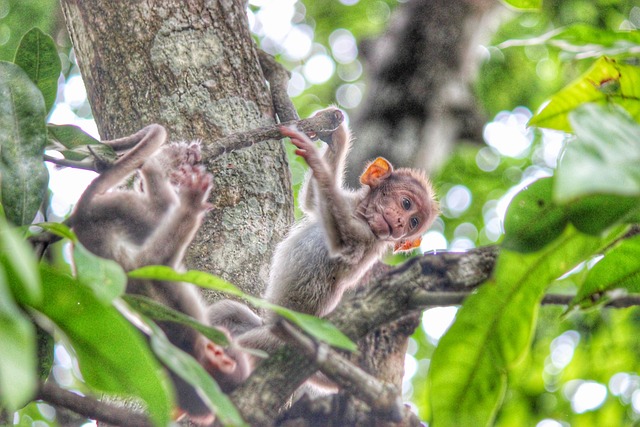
{"x": 18, "y": 371}
{"x": 619, "y": 269}
{"x": 606, "y": 81}
{"x": 604, "y": 157}
{"x": 71, "y": 136}
{"x": 38, "y": 57}
{"x": 161, "y": 312}
{"x": 20, "y": 266}
{"x": 317, "y": 327}
{"x": 106, "y": 277}
{"x": 493, "y": 330}
{"x": 204, "y": 280}
{"x": 23, "y": 175}
{"x": 58, "y": 229}
{"x": 77, "y": 143}
{"x": 112, "y": 355}
{"x": 187, "y": 368}
{"x": 524, "y": 4}
{"x": 533, "y": 220}
{"x": 582, "y": 41}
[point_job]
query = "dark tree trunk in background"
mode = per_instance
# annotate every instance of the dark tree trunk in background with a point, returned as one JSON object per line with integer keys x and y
{"x": 418, "y": 105}
{"x": 191, "y": 66}
{"x": 418, "y": 101}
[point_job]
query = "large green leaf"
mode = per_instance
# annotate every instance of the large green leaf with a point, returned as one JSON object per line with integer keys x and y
{"x": 493, "y": 330}
{"x": 161, "y": 312}
{"x": 619, "y": 269}
{"x": 603, "y": 158}
{"x": 38, "y": 57}
{"x": 193, "y": 373}
{"x": 112, "y": 355}
{"x": 20, "y": 265}
{"x": 106, "y": 277}
{"x": 533, "y": 219}
{"x": 77, "y": 143}
{"x": 18, "y": 372}
{"x": 317, "y": 327}
{"x": 23, "y": 136}
{"x": 606, "y": 81}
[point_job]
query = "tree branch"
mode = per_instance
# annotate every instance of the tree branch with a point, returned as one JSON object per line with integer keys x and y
{"x": 90, "y": 407}
{"x": 385, "y": 299}
{"x": 322, "y": 123}
{"x": 383, "y": 399}
{"x": 278, "y": 78}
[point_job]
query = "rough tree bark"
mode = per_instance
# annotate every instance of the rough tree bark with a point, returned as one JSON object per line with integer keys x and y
{"x": 192, "y": 66}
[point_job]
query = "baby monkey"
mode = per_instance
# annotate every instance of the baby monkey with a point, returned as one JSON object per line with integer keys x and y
{"x": 343, "y": 232}
{"x": 153, "y": 225}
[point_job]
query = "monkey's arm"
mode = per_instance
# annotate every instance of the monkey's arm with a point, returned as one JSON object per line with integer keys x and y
{"x": 347, "y": 235}
{"x": 338, "y": 144}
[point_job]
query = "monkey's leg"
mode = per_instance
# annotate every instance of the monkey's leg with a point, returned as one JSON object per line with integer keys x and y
{"x": 145, "y": 143}
{"x": 168, "y": 242}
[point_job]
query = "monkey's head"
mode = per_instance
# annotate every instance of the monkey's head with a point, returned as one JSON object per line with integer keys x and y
{"x": 400, "y": 205}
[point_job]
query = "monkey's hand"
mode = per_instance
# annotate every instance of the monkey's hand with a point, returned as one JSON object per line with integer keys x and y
{"x": 307, "y": 150}
{"x": 194, "y": 185}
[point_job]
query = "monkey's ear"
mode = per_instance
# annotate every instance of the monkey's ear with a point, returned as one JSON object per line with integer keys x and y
{"x": 407, "y": 245}
{"x": 377, "y": 171}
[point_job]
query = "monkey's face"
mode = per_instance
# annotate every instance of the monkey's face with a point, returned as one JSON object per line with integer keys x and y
{"x": 398, "y": 211}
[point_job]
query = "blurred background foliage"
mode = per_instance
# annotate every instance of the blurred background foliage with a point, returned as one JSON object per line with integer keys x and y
{"x": 583, "y": 367}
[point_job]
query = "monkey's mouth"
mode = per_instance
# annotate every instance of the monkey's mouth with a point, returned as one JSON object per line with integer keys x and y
{"x": 380, "y": 226}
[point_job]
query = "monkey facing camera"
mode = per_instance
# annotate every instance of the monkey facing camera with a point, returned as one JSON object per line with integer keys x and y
{"x": 343, "y": 232}
{"x": 153, "y": 225}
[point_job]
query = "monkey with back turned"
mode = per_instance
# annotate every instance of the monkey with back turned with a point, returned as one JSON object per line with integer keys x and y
{"x": 153, "y": 226}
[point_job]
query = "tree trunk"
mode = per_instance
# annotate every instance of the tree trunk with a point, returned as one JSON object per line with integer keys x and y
{"x": 419, "y": 101}
{"x": 418, "y": 105}
{"x": 192, "y": 66}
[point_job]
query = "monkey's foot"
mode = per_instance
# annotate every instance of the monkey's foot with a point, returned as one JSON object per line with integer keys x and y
{"x": 194, "y": 184}
{"x": 176, "y": 154}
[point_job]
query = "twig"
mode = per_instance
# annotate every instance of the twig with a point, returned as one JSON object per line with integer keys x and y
{"x": 325, "y": 122}
{"x": 278, "y": 78}
{"x": 90, "y": 407}
{"x": 383, "y": 399}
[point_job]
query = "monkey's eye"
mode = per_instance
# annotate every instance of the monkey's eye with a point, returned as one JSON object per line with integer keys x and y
{"x": 406, "y": 204}
{"x": 414, "y": 222}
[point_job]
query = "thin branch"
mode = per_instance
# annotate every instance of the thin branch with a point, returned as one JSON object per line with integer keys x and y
{"x": 325, "y": 122}
{"x": 439, "y": 299}
{"x": 90, "y": 407}
{"x": 278, "y": 78}
{"x": 383, "y": 399}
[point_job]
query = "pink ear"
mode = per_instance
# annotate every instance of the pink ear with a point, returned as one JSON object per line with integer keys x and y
{"x": 376, "y": 172}
{"x": 407, "y": 245}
